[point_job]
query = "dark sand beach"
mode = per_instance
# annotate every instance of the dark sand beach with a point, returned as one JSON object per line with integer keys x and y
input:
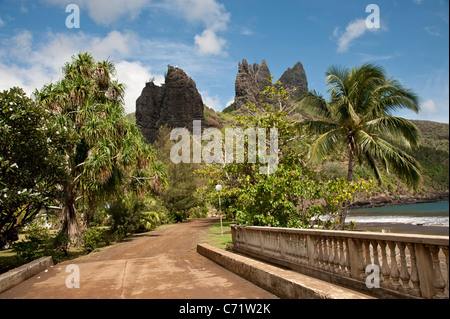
{"x": 404, "y": 228}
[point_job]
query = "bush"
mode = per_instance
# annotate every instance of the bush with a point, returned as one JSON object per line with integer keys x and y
{"x": 198, "y": 212}
{"x": 92, "y": 238}
{"x": 149, "y": 221}
{"x": 38, "y": 243}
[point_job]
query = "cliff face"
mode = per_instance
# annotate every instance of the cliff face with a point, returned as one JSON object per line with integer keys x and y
{"x": 294, "y": 80}
{"x": 175, "y": 104}
{"x": 252, "y": 79}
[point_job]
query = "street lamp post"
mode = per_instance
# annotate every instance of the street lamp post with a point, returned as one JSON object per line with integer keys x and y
{"x": 219, "y": 188}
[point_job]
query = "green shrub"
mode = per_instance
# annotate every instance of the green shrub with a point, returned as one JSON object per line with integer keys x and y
{"x": 37, "y": 243}
{"x": 92, "y": 238}
{"x": 198, "y": 212}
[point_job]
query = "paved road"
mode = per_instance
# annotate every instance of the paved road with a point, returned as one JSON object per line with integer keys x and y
{"x": 159, "y": 265}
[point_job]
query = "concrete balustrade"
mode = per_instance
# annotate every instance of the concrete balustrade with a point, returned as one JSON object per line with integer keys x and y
{"x": 397, "y": 265}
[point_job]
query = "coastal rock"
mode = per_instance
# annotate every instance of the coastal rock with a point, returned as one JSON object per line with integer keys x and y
{"x": 177, "y": 103}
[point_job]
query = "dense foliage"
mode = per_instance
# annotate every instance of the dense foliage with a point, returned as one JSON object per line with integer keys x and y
{"x": 293, "y": 195}
{"x": 31, "y": 162}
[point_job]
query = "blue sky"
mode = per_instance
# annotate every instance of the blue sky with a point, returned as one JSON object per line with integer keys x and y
{"x": 207, "y": 39}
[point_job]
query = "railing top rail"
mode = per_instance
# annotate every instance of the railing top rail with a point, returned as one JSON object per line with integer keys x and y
{"x": 394, "y": 237}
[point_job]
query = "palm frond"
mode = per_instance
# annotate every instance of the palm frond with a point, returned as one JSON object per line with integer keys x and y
{"x": 319, "y": 126}
{"x": 396, "y": 129}
{"x": 325, "y": 144}
{"x": 393, "y": 158}
{"x": 315, "y": 102}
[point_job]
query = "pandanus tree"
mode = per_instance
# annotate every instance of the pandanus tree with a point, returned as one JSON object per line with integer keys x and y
{"x": 103, "y": 151}
{"x": 359, "y": 118}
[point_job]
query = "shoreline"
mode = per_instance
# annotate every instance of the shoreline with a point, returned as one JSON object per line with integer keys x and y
{"x": 403, "y": 228}
{"x": 388, "y": 201}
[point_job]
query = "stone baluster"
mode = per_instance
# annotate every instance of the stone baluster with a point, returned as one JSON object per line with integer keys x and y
{"x": 376, "y": 259}
{"x": 361, "y": 268}
{"x": 318, "y": 254}
{"x": 330, "y": 254}
{"x": 404, "y": 274}
{"x": 347, "y": 258}
{"x": 385, "y": 271}
{"x": 342, "y": 256}
{"x": 395, "y": 274}
{"x": 368, "y": 259}
{"x": 414, "y": 277}
{"x": 324, "y": 254}
{"x": 438, "y": 280}
{"x": 336, "y": 255}
{"x": 445, "y": 251}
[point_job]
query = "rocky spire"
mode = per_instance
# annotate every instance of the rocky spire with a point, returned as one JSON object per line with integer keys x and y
{"x": 294, "y": 80}
{"x": 250, "y": 81}
{"x": 175, "y": 104}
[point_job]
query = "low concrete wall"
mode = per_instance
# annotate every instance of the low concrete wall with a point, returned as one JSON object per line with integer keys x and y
{"x": 22, "y": 273}
{"x": 282, "y": 283}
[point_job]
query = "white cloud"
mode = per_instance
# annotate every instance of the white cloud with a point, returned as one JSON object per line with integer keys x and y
{"x": 230, "y": 101}
{"x": 134, "y": 75}
{"x": 336, "y": 32}
{"x": 209, "y": 43}
{"x": 354, "y": 30}
{"x": 429, "y": 106}
{"x": 28, "y": 64}
{"x": 246, "y": 31}
{"x": 211, "y": 102}
{"x": 2, "y": 23}
{"x": 41, "y": 64}
{"x": 105, "y": 12}
{"x": 211, "y": 14}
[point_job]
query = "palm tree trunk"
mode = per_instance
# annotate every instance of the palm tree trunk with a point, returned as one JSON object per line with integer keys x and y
{"x": 351, "y": 163}
{"x": 351, "y": 158}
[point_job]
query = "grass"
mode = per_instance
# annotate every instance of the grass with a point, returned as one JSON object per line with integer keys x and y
{"x": 215, "y": 237}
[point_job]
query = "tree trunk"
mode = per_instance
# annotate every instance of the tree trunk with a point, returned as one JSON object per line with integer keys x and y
{"x": 351, "y": 163}
{"x": 69, "y": 221}
{"x": 351, "y": 159}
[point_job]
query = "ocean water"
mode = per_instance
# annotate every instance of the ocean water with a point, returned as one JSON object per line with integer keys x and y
{"x": 428, "y": 214}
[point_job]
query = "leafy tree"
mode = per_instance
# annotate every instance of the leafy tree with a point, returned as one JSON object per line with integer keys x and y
{"x": 358, "y": 118}
{"x": 181, "y": 193}
{"x": 293, "y": 195}
{"x": 30, "y": 161}
{"x": 108, "y": 152}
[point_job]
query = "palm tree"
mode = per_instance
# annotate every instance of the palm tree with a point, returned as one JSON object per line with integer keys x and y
{"x": 358, "y": 117}
{"x": 104, "y": 148}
